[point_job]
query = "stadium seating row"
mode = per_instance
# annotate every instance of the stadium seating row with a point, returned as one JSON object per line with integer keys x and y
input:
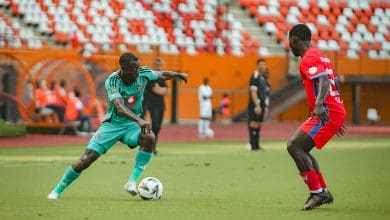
{"x": 356, "y": 28}
{"x": 175, "y": 26}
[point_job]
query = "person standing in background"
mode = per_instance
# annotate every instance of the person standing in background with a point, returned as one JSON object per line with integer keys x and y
{"x": 205, "y": 94}
{"x": 259, "y": 91}
{"x": 154, "y": 100}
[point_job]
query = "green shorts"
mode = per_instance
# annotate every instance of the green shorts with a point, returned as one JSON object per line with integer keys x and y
{"x": 109, "y": 133}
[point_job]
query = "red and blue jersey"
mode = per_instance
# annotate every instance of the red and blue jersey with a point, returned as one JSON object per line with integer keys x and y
{"x": 314, "y": 65}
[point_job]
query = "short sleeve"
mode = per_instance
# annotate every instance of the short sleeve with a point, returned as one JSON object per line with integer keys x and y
{"x": 148, "y": 73}
{"x": 112, "y": 85}
{"x": 253, "y": 85}
{"x": 315, "y": 67}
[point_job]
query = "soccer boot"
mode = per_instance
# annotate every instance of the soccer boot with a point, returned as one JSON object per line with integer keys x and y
{"x": 53, "y": 195}
{"x": 131, "y": 187}
{"x": 315, "y": 200}
{"x": 329, "y": 198}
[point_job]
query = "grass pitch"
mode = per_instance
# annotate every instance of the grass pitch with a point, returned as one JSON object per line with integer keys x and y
{"x": 203, "y": 180}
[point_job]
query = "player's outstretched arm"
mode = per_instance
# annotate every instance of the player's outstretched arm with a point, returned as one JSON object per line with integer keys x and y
{"x": 122, "y": 110}
{"x": 166, "y": 74}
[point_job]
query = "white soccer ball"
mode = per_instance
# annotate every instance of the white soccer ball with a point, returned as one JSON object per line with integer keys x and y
{"x": 150, "y": 188}
{"x": 210, "y": 133}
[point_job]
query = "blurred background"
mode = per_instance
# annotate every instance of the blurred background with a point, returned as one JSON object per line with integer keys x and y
{"x": 78, "y": 42}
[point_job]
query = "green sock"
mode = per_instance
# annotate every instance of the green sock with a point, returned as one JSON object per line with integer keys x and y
{"x": 69, "y": 176}
{"x": 141, "y": 159}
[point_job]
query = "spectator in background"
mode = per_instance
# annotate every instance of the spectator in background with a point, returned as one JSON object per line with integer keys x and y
{"x": 259, "y": 91}
{"x": 204, "y": 95}
{"x": 74, "y": 111}
{"x": 53, "y": 102}
{"x": 45, "y": 101}
{"x": 60, "y": 92}
{"x": 154, "y": 100}
{"x": 224, "y": 107}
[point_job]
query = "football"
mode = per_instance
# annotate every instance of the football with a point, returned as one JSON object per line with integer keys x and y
{"x": 150, "y": 188}
{"x": 209, "y": 133}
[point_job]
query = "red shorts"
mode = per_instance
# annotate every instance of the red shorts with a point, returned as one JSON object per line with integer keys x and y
{"x": 322, "y": 133}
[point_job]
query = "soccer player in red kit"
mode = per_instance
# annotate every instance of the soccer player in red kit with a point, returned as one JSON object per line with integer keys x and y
{"x": 327, "y": 114}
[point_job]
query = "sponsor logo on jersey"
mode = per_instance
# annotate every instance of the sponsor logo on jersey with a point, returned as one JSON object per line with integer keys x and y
{"x": 140, "y": 88}
{"x": 313, "y": 70}
{"x": 131, "y": 99}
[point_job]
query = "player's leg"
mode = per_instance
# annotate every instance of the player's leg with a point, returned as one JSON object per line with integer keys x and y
{"x": 299, "y": 147}
{"x": 202, "y": 126}
{"x": 317, "y": 168}
{"x": 253, "y": 128}
{"x": 146, "y": 141}
{"x": 157, "y": 119}
{"x": 73, "y": 172}
{"x": 321, "y": 179}
{"x": 260, "y": 119}
{"x": 106, "y": 136}
{"x": 208, "y": 114}
{"x": 144, "y": 110}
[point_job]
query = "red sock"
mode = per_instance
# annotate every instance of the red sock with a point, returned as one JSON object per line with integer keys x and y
{"x": 322, "y": 180}
{"x": 311, "y": 180}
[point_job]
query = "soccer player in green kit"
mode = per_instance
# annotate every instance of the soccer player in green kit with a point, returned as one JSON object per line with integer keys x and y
{"x": 125, "y": 89}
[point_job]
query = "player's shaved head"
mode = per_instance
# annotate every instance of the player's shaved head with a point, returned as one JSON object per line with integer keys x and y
{"x": 300, "y": 31}
{"x": 299, "y": 39}
{"x": 129, "y": 64}
{"x": 127, "y": 59}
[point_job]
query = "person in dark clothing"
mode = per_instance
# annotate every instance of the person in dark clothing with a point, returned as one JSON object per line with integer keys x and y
{"x": 154, "y": 100}
{"x": 259, "y": 93}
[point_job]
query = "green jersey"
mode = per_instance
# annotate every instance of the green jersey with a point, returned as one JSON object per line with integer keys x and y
{"x": 132, "y": 94}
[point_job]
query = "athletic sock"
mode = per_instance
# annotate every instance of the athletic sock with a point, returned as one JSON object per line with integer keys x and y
{"x": 254, "y": 138}
{"x": 311, "y": 180}
{"x": 201, "y": 130}
{"x": 206, "y": 125}
{"x": 322, "y": 181}
{"x": 69, "y": 176}
{"x": 141, "y": 160}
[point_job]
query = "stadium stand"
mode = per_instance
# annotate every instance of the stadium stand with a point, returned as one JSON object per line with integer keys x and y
{"x": 190, "y": 26}
{"x": 355, "y": 28}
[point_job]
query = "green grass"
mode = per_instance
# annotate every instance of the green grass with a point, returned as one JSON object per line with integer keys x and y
{"x": 201, "y": 181}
